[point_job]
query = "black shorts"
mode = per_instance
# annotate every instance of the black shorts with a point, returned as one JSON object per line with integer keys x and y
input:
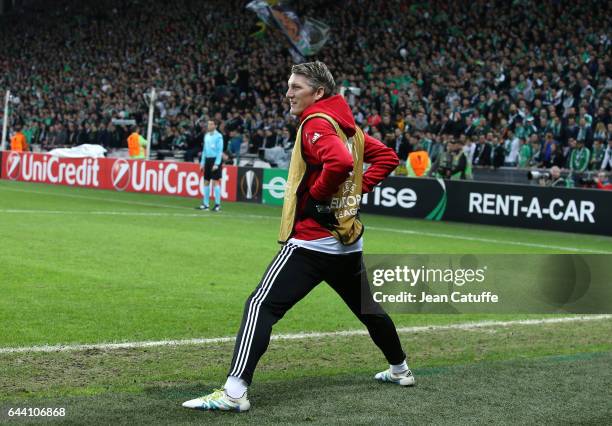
{"x": 209, "y": 173}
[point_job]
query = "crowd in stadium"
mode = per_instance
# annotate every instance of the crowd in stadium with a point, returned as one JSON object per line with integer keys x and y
{"x": 516, "y": 83}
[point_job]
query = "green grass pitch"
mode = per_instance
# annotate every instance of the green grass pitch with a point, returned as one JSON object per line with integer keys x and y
{"x": 81, "y": 266}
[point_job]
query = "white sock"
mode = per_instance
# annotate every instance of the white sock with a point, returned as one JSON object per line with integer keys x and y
{"x": 399, "y": 368}
{"x": 235, "y": 387}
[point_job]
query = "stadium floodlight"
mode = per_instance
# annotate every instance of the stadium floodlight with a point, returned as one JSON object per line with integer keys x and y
{"x": 5, "y": 121}
{"x": 150, "y": 123}
{"x": 150, "y": 99}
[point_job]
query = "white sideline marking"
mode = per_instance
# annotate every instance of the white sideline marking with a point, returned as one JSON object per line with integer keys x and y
{"x": 85, "y": 197}
{"x": 104, "y": 213}
{"x": 253, "y": 216}
{"x": 128, "y": 213}
{"x": 485, "y": 240}
{"x": 300, "y": 336}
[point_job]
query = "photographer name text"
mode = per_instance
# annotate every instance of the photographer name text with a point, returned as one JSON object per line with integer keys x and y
{"x": 423, "y": 297}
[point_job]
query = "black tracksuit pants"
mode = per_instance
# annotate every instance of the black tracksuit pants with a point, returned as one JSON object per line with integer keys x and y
{"x": 291, "y": 275}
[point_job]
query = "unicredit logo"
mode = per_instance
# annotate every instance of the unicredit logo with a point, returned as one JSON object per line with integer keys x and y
{"x": 13, "y": 164}
{"x": 121, "y": 174}
{"x": 154, "y": 176}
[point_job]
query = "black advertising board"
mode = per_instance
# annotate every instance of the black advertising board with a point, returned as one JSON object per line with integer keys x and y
{"x": 249, "y": 184}
{"x": 424, "y": 198}
{"x": 559, "y": 209}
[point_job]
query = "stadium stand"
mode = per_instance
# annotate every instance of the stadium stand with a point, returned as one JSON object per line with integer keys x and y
{"x": 500, "y": 75}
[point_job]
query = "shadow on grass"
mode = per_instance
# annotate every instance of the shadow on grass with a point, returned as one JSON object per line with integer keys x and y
{"x": 555, "y": 389}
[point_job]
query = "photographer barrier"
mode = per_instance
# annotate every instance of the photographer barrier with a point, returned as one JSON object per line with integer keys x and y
{"x": 558, "y": 209}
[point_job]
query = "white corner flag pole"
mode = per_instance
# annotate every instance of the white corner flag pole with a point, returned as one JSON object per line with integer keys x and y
{"x": 150, "y": 125}
{"x": 5, "y": 121}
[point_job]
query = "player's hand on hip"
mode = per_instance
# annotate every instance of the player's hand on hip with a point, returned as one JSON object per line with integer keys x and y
{"x": 321, "y": 212}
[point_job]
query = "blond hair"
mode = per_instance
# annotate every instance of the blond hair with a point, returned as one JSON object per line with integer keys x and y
{"x": 318, "y": 75}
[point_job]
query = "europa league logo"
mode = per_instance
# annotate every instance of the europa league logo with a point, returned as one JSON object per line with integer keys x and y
{"x": 249, "y": 185}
